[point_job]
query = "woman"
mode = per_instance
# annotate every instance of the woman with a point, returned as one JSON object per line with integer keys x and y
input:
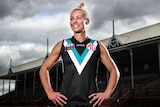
{"x": 80, "y": 56}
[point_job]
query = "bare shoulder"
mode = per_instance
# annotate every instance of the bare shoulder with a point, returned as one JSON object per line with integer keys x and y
{"x": 102, "y": 47}
{"x": 59, "y": 44}
{"x": 56, "y": 49}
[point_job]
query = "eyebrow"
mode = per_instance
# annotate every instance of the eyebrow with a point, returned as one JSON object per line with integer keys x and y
{"x": 77, "y": 16}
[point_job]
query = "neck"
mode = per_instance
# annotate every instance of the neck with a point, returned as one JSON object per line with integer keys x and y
{"x": 80, "y": 36}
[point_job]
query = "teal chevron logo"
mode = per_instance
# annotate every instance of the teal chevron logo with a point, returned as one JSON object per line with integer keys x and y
{"x": 80, "y": 60}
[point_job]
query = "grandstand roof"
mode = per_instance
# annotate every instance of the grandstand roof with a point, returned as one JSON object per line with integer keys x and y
{"x": 136, "y": 35}
{"x": 26, "y": 66}
{"x": 23, "y": 67}
{"x": 126, "y": 38}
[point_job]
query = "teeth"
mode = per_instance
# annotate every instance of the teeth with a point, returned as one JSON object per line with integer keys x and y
{"x": 75, "y": 25}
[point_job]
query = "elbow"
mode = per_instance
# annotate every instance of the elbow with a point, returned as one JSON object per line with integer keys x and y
{"x": 117, "y": 74}
{"x": 42, "y": 71}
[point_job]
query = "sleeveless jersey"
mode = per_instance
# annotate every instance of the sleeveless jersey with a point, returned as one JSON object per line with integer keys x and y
{"x": 80, "y": 62}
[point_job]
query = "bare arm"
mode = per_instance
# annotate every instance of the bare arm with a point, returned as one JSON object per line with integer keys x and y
{"x": 98, "y": 98}
{"x": 112, "y": 68}
{"x": 47, "y": 65}
{"x": 56, "y": 97}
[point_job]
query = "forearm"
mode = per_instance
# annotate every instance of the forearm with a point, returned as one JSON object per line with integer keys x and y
{"x": 45, "y": 80}
{"x": 113, "y": 80}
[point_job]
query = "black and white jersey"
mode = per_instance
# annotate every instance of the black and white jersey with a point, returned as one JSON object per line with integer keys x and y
{"x": 80, "y": 66}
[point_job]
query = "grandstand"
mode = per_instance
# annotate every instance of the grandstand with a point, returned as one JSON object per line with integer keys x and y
{"x": 136, "y": 53}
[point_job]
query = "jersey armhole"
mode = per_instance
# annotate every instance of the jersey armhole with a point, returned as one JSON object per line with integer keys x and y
{"x": 62, "y": 46}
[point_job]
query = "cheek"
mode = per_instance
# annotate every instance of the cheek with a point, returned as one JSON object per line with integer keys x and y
{"x": 83, "y": 23}
{"x": 70, "y": 23}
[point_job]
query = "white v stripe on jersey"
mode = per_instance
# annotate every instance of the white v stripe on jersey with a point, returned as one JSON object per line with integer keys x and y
{"x": 79, "y": 60}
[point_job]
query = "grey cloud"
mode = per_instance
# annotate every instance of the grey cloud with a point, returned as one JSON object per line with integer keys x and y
{"x": 21, "y": 53}
{"x": 29, "y": 8}
{"x": 5, "y": 8}
{"x": 123, "y": 9}
{"x": 102, "y": 12}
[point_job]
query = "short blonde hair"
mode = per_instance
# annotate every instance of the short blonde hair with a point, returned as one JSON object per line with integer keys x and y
{"x": 82, "y": 7}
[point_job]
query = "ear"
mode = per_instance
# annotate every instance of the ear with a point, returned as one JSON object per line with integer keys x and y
{"x": 86, "y": 21}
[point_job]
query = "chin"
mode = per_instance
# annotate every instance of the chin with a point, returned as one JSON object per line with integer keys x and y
{"x": 79, "y": 31}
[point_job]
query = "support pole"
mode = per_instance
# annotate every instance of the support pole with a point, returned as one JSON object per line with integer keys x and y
{"x": 132, "y": 76}
{"x": 159, "y": 57}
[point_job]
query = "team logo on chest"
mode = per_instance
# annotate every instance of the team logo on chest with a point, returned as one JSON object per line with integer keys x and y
{"x": 91, "y": 47}
{"x": 80, "y": 60}
{"x": 70, "y": 46}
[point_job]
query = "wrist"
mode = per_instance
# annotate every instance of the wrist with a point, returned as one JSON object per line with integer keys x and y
{"x": 107, "y": 94}
{"x": 49, "y": 92}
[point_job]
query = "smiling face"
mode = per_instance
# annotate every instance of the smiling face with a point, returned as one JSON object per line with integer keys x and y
{"x": 77, "y": 21}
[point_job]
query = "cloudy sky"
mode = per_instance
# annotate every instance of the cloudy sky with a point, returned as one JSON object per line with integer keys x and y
{"x": 25, "y": 25}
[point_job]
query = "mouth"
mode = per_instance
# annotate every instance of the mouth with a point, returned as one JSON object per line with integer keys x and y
{"x": 75, "y": 26}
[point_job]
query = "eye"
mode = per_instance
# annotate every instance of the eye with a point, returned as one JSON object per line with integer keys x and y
{"x": 71, "y": 19}
{"x": 79, "y": 17}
